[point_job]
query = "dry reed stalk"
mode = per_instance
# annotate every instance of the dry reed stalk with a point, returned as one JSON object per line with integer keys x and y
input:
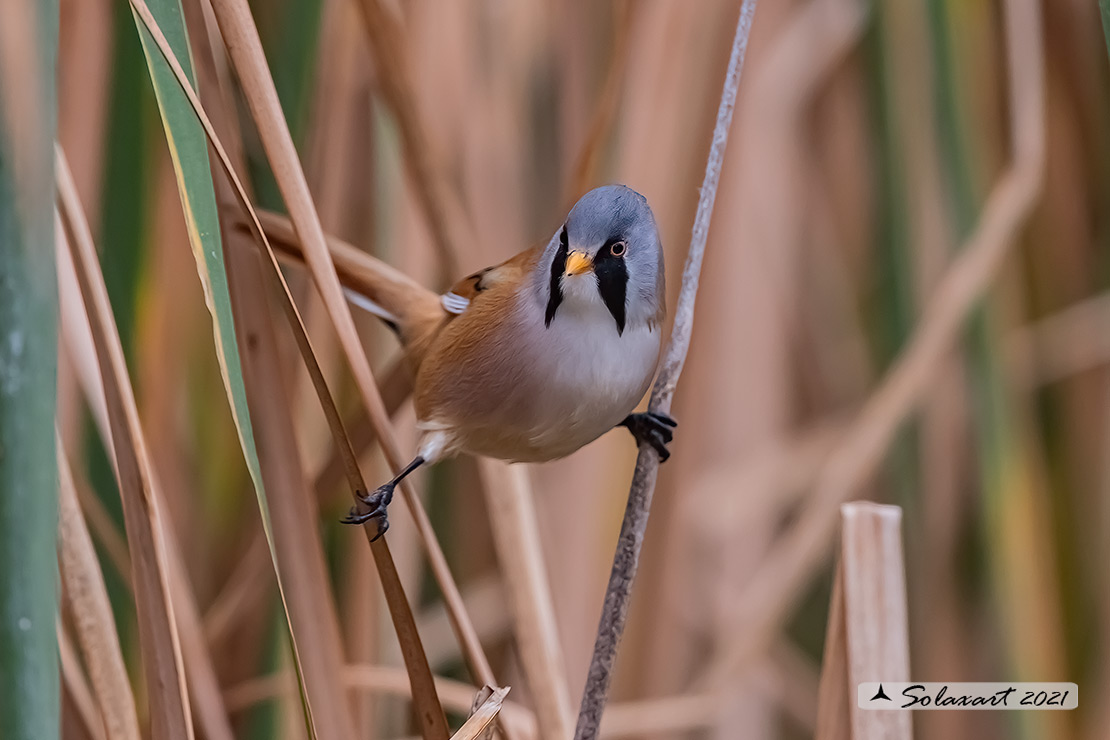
{"x": 542, "y": 663}
{"x": 541, "y": 654}
{"x": 619, "y": 591}
{"x": 834, "y": 697}
{"x": 208, "y": 707}
{"x": 775, "y": 588}
{"x": 512, "y": 519}
{"x": 437, "y": 200}
{"x": 313, "y": 613}
{"x": 76, "y": 338}
{"x": 92, "y": 612}
{"x": 875, "y": 613}
{"x": 744, "y": 371}
{"x": 396, "y": 386}
{"x": 75, "y": 684}
{"x": 202, "y": 681}
{"x": 514, "y": 525}
{"x": 294, "y": 515}
{"x": 245, "y": 49}
{"x": 429, "y": 712}
{"x": 517, "y": 540}
{"x": 591, "y": 490}
{"x": 1068, "y": 342}
{"x": 161, "y": 649}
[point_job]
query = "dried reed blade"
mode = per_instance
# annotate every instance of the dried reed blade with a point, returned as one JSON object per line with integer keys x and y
{"x": 161, "y": 649}
{"x": 517, "y": 540}
{"x": 294, "y": 517}
{"x": 475, "y": 726}
{"x": 207, "y": 705}
{"x": 293, "y": 509}
{"x": 324, "y": 272}
{"x": 92, "y": 612}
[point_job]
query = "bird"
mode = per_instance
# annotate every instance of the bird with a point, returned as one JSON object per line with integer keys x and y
{"x": 533, "y": 358}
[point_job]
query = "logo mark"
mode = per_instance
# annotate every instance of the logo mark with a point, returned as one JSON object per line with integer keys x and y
{"x": 880, "y": 694}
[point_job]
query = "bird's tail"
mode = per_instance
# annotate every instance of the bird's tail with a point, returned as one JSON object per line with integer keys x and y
{"x": 409, "y": 308}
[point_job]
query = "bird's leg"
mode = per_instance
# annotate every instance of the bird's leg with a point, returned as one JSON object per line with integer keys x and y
{"x": 653, "y": 429}
{"x": 379, "y": 500}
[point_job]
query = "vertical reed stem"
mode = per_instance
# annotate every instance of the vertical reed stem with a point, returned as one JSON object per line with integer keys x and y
{"x": 614, "y": 612}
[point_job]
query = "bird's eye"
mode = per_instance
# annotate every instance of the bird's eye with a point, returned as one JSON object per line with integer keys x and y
{"x": 618, "y": 248}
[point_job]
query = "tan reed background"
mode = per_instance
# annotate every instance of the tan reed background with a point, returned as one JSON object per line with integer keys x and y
{"x": 870, "y": 147}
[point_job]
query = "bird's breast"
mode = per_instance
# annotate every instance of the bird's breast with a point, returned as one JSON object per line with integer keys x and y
{"x": 520, "y": 390}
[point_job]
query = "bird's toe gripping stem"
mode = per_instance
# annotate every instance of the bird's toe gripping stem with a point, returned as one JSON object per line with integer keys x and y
{"x": 377, "y": 503}
{"x": 652, "y": 428}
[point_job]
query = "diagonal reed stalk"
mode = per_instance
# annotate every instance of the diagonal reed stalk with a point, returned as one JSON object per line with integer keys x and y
{"x": 244, "y": 47}
{"x": 158, "y": 636}
{"x": 430, "y": 714}
{"x": 189, "y": 155}
{"x": 509, "y": 501}
{"x": 92, "y": 612}
{"x": 207, "y": 704}
{"x": 619, "y": 591}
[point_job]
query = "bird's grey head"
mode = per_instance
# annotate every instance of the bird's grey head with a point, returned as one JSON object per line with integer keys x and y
{"x": 606, "y": 253}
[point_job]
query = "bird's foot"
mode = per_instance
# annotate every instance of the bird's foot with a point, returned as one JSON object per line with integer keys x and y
{"x": 653, "y": 429}
{"x": 376, "y": 504}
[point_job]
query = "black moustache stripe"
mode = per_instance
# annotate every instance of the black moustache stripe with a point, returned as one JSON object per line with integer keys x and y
{"x": 555, "y": 291}
{"x": 612, "y": 283}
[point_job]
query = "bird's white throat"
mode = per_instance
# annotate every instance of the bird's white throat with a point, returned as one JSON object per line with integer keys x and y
{"x": 592, "y": 375}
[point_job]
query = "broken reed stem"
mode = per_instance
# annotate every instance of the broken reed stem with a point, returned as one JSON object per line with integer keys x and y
{"x": 618, "y": 594}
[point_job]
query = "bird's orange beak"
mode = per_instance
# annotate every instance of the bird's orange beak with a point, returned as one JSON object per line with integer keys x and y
{"x": 578, "y": 263}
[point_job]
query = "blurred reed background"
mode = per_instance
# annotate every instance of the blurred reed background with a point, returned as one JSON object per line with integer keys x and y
{"x": 867, "y": 139}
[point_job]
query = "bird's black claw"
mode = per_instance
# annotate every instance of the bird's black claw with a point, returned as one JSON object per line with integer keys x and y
{"x": 377, "y": 503}
{"x": 653, "y": 429}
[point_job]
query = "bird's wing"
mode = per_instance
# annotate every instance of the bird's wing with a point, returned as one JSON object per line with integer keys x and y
{"x": 415, "y": 313}
{"x": 470, "y": 288}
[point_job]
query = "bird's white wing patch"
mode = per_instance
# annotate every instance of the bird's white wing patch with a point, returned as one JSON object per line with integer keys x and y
{"x": 358, "y": 299}
{"x": 454, "y": 303}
